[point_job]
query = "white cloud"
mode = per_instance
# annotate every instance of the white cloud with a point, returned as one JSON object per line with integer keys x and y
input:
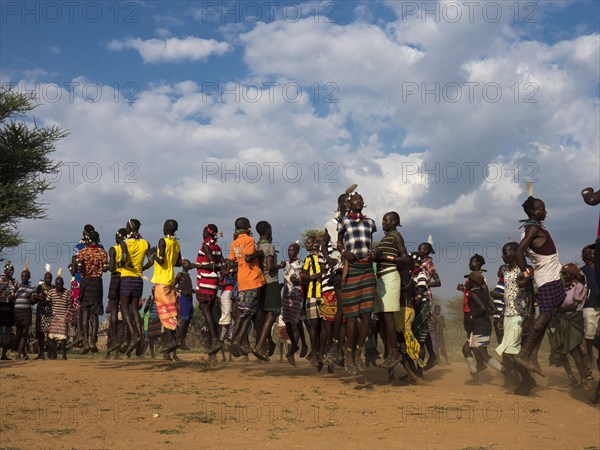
{"x": 185, "y": 144}
{"x": 172, "y": 49}
{"x": 163, "y": 32}
{"x": 37, "y": 74}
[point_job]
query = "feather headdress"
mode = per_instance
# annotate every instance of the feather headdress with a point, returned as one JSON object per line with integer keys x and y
{"x": 529, "y": 188}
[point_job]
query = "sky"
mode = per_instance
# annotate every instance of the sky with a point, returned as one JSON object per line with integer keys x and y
{"x": 208, "y": 111}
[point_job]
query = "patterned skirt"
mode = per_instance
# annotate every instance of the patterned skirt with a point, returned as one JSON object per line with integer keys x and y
{"x": 166, "y": 304}
{"x": 550, "y": 296}
{"x": 74, "y": 306}
{"x": 420, "y": 326}
{"x": 291, "y": 306}
{"x": 43, "y": 316}
{"x": 358, "y": 289}
{"x": 328, "y": 306}
{"x": 154, "y": 326}
{"x": 248, "y": 302}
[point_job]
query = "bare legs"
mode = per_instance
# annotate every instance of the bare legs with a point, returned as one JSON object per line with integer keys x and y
{"x": 264, "y": 336}
{"x": 131, "y": 323}
{"x": 393, "y": 357}
{"x": 211, "y": 324}
{"x": 354, "y": 344}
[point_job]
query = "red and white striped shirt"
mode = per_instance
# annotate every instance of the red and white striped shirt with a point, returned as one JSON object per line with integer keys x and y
{"x": 207, "y": 280}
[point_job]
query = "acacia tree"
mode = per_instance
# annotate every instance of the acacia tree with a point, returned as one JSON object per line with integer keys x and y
{"x": 25, "y": 164}
{"x": 310, "y": 232}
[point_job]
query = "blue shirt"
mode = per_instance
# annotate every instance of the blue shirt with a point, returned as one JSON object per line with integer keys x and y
{"x": 592, "y": 301}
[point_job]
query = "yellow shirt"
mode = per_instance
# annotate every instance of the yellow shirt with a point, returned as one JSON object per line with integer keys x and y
{"x": 137, "y": 249}
{"x": 165, "y": 273}
{"x": 312, "y": 266}
{"x": 118, "y": 256}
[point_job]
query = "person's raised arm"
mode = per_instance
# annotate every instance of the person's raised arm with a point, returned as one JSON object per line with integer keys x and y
{"x": 436, "y": 282}
{"x": 590, "y": 197}
{"x": 153, "y": 254}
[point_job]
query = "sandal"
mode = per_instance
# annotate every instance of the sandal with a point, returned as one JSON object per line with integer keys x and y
{"x": 349, "y": 367}
{"x": 260, "y": 355}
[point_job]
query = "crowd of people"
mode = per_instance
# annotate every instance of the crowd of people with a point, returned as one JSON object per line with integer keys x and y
{"x": 346, "y": 293}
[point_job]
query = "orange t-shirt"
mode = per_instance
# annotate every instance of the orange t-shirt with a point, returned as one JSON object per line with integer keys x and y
{"x": 249, "y": 275}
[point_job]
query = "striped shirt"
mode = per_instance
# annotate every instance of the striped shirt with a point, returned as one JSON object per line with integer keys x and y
{"x": 312, "y": 266}
{"x": 499, "y": 302}
{"x": 387, "y": 248}
{"x": 430, "y": 270}
{"x": 23, "y": 296}
{"x": 332, "y": 229}
{"x": 420, "y": 279}
{"x": 328, "y": 275}
{"x": 207, "y": 281}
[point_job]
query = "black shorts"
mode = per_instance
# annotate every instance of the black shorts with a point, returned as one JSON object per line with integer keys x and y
{"x": 131, "y": 287}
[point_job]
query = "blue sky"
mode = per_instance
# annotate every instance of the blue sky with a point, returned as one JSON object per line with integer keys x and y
{"x": 438, "y": 110}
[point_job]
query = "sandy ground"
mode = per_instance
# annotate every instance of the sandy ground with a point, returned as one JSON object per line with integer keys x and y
{"x": 143, "y": 403}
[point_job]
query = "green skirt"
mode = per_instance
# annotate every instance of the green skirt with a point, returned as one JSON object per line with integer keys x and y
{"x": 272, "y": 298}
